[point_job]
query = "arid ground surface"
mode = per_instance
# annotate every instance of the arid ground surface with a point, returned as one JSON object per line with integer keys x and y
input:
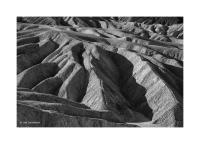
{"x": 99, "y": 71}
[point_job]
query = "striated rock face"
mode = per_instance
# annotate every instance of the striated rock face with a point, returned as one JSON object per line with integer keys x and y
{"x": 99, "y": 72}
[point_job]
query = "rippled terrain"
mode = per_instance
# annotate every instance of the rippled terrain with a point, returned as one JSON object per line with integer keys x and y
{"x": 99, "y": 72}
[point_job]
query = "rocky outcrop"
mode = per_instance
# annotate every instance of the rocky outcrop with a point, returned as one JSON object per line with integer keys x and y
{"x": 99, "y": 72}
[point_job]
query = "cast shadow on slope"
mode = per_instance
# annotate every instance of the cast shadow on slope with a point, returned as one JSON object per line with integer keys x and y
{"x": 133, "y": 92}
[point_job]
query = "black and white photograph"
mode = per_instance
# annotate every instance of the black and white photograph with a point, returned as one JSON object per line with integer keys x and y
{"x": 100, "y": 71}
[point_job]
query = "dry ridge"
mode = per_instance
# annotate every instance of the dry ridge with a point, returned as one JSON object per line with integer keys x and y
{"x": 99, "y": 72}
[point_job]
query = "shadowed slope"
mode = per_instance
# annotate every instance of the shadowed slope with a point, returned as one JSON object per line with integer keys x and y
{"x": 94, "y": 72}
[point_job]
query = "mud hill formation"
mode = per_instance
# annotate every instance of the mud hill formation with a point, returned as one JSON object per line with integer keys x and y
{"x": 99, "y": 72}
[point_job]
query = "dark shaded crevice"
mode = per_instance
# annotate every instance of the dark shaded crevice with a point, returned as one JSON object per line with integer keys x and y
{"x": 144, "y": 108}
{"x": 139, "y": 94}
{"x": 175, "y": 87}
{"x": 77, "y": 52}
{"x": 181, "y": 63}
{"x": 80, "y": 58}
{"x": 99, "y": 68}
{"x": 133, "y": 92}
{"x": 85, "y": 85}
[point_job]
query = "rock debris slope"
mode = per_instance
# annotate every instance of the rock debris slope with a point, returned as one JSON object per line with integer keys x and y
{"x": 99, "y": 72}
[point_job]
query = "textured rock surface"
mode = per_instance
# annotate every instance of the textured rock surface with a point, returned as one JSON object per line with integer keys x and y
{"x": 99, "y": 72}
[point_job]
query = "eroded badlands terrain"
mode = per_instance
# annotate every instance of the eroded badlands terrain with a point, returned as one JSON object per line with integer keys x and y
{"x": 99, "y": 72}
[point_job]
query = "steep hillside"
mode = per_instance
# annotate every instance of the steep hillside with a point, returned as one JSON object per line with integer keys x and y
{"x": 99, "y": 72}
